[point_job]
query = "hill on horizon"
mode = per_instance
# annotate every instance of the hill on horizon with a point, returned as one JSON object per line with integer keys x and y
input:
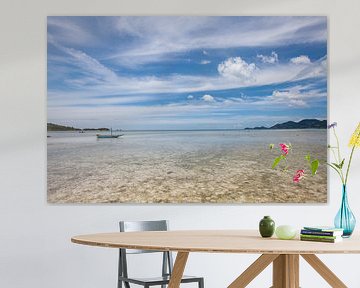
{"x": 56, "y": 127}
{"x": 303, "y": 124}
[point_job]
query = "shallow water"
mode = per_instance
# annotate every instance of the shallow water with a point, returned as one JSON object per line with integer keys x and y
{"x": 183, "y": 167}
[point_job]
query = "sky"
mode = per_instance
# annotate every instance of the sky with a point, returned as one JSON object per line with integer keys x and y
{"x": 191, "y": 72}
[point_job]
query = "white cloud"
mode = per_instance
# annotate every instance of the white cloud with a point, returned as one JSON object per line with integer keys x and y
{"x": 74, "y": 99}
{"x": 315, "y": 69}
{"x": 69, "y": 32}
{"x": 208, "y": 98}
{"x": 297, "y": 96}
{"x": 204, "y": 62}
{"x": 302, "y": 59}
{"x": 184, "y": 113}
{"x": 155, "y": 37}
{"x": 89, "y": 75}
{"x": 88, "y": 66}
{"x": 236, "y": 67}
{"x": 97, "y": 79}
{"x": 291, "y": 97}
{"x": 270, "y": 59}
{"x": 93, "y": 78}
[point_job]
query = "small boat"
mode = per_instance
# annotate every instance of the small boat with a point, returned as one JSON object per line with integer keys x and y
{"x": 102, "y": 136}
{"x": 108, "y": 136}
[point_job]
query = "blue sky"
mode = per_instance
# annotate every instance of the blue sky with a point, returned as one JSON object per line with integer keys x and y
{"x": 186, "y": 72}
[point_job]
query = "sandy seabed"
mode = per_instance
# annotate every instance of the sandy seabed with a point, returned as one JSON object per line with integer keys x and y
{"x": 169, "y": 173}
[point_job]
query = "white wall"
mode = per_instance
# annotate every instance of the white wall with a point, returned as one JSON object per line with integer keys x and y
{"x": 35, "y": 248}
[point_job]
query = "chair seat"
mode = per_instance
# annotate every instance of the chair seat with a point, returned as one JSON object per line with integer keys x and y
{"x": 158, "y": 280}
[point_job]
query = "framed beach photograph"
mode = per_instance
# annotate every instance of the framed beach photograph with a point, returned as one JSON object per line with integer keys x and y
{"x": 186, "y": 109}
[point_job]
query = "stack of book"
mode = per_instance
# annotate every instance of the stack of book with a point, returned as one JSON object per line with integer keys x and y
{"x": 321, "y": 234}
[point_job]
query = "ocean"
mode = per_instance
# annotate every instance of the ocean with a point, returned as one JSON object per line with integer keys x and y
{"x": 219, "y": 166}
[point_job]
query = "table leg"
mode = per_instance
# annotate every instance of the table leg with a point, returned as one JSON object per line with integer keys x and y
{"x": 253, "y": 270}
{"x": 286, "y": 271}
{"x": 178, "y": 269}
{"x": 324, "y": 271}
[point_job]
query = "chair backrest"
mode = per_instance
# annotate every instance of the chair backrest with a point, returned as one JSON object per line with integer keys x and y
{"x": 133, "y": 226}
{"x": 137, "y": 226}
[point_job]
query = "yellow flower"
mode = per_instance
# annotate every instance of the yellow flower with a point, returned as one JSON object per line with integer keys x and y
{"x": 355, "y": 138}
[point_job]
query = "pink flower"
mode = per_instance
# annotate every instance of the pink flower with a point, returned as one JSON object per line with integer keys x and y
{"x": 298, "y": 175}
{"x": 284, "y": 148}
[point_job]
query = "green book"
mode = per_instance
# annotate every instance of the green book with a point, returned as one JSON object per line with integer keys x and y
{"x": 319, "y": 236}
{"x": 325, "y": 240}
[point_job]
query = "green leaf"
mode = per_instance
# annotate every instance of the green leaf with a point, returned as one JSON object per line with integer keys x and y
{"x": 332, "y": 166}
{"x": 271, "y": 146}
{"x": 342, "y": 164}
{"x": 336, "y": 165}
{"x": 277, "y": 161}
{"x": 314, "y": 166}
{"x": 307, "y": 157}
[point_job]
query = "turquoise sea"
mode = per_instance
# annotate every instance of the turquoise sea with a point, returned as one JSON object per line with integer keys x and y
{"x": 219, "y": 166}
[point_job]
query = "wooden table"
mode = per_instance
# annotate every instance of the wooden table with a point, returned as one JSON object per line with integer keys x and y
{"x": 284, "y": 254}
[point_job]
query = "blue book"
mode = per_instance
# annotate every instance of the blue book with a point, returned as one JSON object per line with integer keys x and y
{"x": 322, "y": 231}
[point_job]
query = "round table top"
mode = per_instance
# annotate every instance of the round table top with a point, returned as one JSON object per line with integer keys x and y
{"x": 217, "y": 241}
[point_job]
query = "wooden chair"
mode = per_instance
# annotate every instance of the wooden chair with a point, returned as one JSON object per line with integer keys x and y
{"x": 167, "y": 262}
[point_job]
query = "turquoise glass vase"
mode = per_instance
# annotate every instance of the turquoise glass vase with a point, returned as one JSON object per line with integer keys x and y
{"x": 345, "y": 219}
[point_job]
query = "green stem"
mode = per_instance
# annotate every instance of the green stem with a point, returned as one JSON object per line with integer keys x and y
{"x": 337, "y": 142}
{"x": 335, "y": 168}
{"x": 348, "y": 167}
{"x": 286, "y": 166}
{"x": 337, "y": 171}
{"x": 338, "y": 149}
{"x": 337, "y": 161}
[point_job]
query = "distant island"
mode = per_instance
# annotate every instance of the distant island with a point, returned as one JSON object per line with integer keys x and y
{"x": 303, "y": 124}
{"x": 96, "y": 129}
{"x": 56, "y": 127}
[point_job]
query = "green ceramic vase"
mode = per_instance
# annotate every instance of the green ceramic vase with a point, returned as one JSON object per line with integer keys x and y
{"x": 267, "y": 227}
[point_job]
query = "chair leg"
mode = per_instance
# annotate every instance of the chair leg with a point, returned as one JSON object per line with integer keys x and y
{"x": 120, "y": 273}
{"x": 201, "y": 283}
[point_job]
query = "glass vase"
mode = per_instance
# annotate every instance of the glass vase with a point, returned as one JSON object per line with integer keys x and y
{"x": 345, "y": 219}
